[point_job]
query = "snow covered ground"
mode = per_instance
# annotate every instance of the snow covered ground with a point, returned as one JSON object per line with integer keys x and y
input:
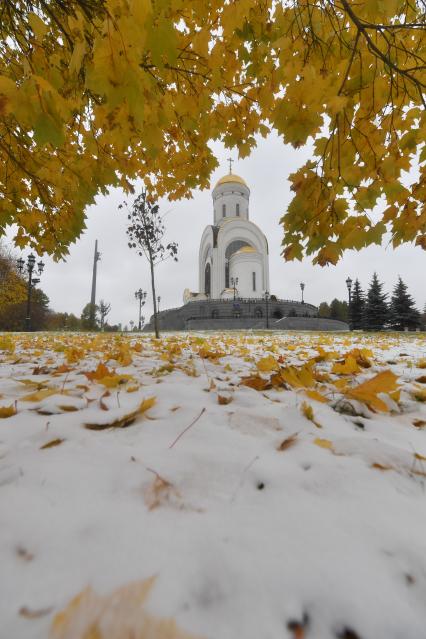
{"x": 275, "y": 487}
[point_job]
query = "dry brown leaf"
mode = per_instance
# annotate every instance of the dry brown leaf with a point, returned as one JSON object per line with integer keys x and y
{"x": 52, "y": 443}
{"x": 120, "y": 615}
{"x": 288, "y": 442}
{"x": 256, "y": 382}
{"x": 224, "y": 399}
{"x": 23, "y": 553}
{"x": 160, "y": 492}
{"x": 421, "y": 379}
{"x": 419, "y": 423}
{"x": 381, "y": 466}
{"x": 68, "y": 408}
{"x": 34, "y": 614}
{"x": 63, "y": 368}
{"x": 102, "y": 404}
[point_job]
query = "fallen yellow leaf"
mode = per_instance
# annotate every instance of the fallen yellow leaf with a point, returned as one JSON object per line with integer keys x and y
{"x": 123, "y": 420}
{"x": 313, "y": 394}
{"x": 100, "y": 372}
{"x": 267, "y": 364}
{"x": 40, "y": 395}
{"x": 323, "y": 443}
{"x": 308, "y": 412}
{"x": 7, "y": 411}
{"x": 384, "y": 382}
{"x": 348, "y": 367}
{"x": 419, "y": 394}
{"x": 120, "y": 615}
{"x": 112, "y": 381}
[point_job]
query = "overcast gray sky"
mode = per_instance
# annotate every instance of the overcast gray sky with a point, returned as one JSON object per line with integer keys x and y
{"x": 121, "y": 272}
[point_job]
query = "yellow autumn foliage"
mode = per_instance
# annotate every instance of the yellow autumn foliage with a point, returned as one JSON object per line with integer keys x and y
{"x": 100, "y": 94}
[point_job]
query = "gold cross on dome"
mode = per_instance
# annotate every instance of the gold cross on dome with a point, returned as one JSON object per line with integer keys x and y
{"x": 230, "y": 160}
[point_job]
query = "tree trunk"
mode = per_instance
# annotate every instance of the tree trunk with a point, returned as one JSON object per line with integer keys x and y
{"x": 154, "y": 299}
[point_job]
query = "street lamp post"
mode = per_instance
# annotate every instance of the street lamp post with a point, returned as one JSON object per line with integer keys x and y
{"x": 302, "y": 288}
{"x": 141, "y": 296}
{"x": 234, "y": 284}
{"x": 349, "y": 287}
{"x": 158, "y": 303}
{"x": 266, "y": 297}
{"x": 28, "y": 268}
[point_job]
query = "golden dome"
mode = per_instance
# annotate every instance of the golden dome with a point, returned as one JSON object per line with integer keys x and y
{"x": 231, "y": 177}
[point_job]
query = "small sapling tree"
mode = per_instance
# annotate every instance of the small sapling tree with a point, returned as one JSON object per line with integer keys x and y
{"x": 104, "y": 309}
{"x": 146, "y": 234}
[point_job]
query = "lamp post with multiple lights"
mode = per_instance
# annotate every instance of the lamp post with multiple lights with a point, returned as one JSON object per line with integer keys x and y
{"x": 141, "y": 296}
{"x": 234, "y": 284}
{"x": 28, "y": 269}
{"x": 302, "y": 288}
{"x": 266, "y": 297}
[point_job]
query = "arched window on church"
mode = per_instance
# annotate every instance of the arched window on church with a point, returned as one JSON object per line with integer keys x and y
{"x": 207, "y": 280}
{"x": 238, "y": 209}
{"x": 223, "y": 210}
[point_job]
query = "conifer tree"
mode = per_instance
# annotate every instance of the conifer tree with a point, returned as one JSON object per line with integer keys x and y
{"x": 356, "y": 308}
{"x": 376, "y": 312}
{"x": 402, "y": 311}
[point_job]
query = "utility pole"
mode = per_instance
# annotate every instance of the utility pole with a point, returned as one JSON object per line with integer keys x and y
{"x": 96, "y": 258}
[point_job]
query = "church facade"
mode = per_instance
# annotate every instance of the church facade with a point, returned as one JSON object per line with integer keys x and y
{"x": 233, "y": 257}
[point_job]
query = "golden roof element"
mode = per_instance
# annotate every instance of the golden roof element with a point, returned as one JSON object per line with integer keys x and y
{"x": 246, "y": 249}
{"x": 231, "y": 178}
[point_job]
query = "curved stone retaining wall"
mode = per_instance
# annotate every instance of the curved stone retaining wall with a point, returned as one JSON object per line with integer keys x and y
{"x": 244, "y": 314}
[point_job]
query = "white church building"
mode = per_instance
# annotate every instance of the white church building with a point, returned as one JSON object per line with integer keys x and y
{"x": 233, "y": 274}
{"x": 233, "y": 257}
